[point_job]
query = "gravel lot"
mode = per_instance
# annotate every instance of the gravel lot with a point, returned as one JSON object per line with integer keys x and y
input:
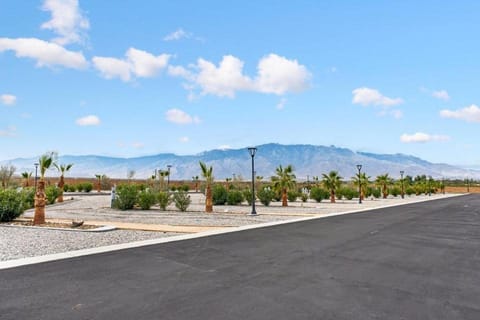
{"x": 21, "y": 242}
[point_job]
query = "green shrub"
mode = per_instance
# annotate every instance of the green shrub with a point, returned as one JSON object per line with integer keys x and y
{"x": 87, "y": 187}
{"x": 11, "y": 205}
{"x": 28, "y": 198}
{"x": 65, "y": 187}
{"x": 51, "y": 194}
{"x": 219, "y": 195}
{"x": 146, "y": 199}
{"x": 347, "y": 192}
{"x": 247, "y": 195}
{"x": 376, "y": 193}
{"x": 184, "y": 187}
{"x": 164, "y": 199}
{"x": 173, "y": 188}
{"x": 318, "y": 194}
{"x": 409, "y": 191}
{"x": 79, "y": 187}
{"x": 72, "y": 188}
{"x": 182, "y": 200}
{"x": 126, "y": 197}
{"x": 277, "y": 196}
{"x": 235, "y": 197}
{"x": 265, "y": 196}
{"x": 304, "y": 197}
{"x": 292, "y": 195}
{"x": 395, "y": 191}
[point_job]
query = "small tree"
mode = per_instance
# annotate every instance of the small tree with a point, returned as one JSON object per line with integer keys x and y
{"x": 26, "y": 178}
{"x": 182, "y": 200}
{"x": 332, "y": 183}
{"x": 195, "y": 180}
{"x": 207, "y": 173}
{"x": 6, "y": 173}
{"x": 384, "y": 181}
{"x": 62, "y": 168}
{"x": 45, "y": 162}
{"x": 284, "y": 181}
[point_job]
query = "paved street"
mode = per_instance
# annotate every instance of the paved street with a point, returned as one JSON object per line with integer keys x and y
{"x": 418, "y": 261}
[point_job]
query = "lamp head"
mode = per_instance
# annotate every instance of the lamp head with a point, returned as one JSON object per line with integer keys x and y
{"x": 252, "y": 151}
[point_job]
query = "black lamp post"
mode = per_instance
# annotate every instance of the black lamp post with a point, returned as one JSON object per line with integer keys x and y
{"x": 252, "y": 151}
{"x": 359, "y": 167}
{"x": 401, "y": 179}
{"x": 168, "y": 177}
{"x": 429, "y": 189}
{"x": 36, "y": 167}
{"x": 443, "y": 185}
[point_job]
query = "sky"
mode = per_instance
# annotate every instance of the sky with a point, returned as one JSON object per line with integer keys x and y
{"x": 136, "y": 78}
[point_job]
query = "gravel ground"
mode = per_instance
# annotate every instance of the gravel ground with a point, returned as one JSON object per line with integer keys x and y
{"x": 21, "y": 242}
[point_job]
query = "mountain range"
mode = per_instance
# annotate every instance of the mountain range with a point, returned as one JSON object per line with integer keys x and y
{"x": 308, "y": 161}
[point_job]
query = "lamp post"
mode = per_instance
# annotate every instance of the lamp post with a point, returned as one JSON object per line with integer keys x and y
{"x": 168, "y": 177}
{"x": 401, "y": 179}
{"x": 252, "y": 151}
{"x": 443, "y": 185}
{"x": 36, "y": 167}
{"x": 359, "y": 167}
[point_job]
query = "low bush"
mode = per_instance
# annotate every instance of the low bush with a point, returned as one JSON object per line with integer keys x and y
{"x": 146, "y": 199}
{"x": 72, "y": 188}
{"x": 219, "y": 195}
{"x": 28, "y": 198}
{"x": 51, "y": 194}
{"x": 347, "y": 192}
{"x": 164, "y": 200}
{"x": 376, "y": 193}
{"x": 409, "y": 191}
{"x": 182, "y": 200}
{"x": 247, "y": 195}
{"x": 184, "y": 187}
{"x": 11, "y": 205}
{"x": 87, "y": 187}
{"x": 65, "y": 187}
{"x": 126, "y": 197}
{"x": 395, "y": 191}
{"x": 265, "y": 196}
{"x": 234, "y": 197}
{"x": 292, "y": 195}
{"x": 318, "y": 194}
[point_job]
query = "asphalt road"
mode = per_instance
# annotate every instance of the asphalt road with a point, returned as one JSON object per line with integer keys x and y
{"x": 419, "y": 261}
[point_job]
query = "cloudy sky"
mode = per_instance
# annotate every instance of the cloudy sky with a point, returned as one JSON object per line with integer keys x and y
{"x": 134, "y": 78}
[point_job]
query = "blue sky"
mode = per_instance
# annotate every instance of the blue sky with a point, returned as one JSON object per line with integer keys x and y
{"x": 145, "y": 77}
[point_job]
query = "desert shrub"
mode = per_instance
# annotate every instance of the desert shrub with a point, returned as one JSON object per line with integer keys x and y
{"x": 146, "y": 198}
{"x": 318, "y": 194}
{"x": 184, "y": 187}
{"x": 304, "y": 197}
{"x": 52, "y": 193}
{"x": 164, "y": 199}
{"x": 409, "y": 191}
{"x": 11, "y": 205}
{"x": 173, "y": 188}
{"x": 79, "y": 187}
{"x": 126, "y": 197}
{"x": 219, "y": 195}
{"x": 65, "y": 187}
{"x": 347, "y": 192}
{"x": 87, "y": 187}
{"x": 247, "y": 195}
{"x": 182, "y": 200}
{"x": 72, "y": 188}
{"x": 265, "y": 196}
{"x": 395, "y": 191}
{"x": 277, "y": 196}
{"x": 234, "y": 197}
{"x": 28, "y": 198}
{"x": 376, "y": 193}
{"x": 292, "y": 195}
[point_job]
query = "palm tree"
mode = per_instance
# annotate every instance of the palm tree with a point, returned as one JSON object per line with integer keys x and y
{"x": 99, "y": 182}
{"x": 62, "y": 168}
{"x": 45, "y": 162}
{"x": 162, "y": 174}
{"x": 195, "y": 179}
{"x": 284, "y": 181}
{"x": 332, "y": 182}
{"x": 364, "y": 180}
{"x": 207, "y": 173}
{"x": 26, "y": 175}
{"x": 384, "y": 181}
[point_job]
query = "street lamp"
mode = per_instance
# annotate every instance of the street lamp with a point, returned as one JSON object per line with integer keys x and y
{"x": 401, "y": 179}
{"x": 36, "y": 167}
{"x": 252, "y": 151}
{"x": 359, "y": 167}
{"x": 168, "y": 177}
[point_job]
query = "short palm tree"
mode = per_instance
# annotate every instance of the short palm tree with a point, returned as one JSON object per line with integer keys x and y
{"x": 207, "y": 173}
{"x": 383, "y": 181}
{"x": 26, "y": 176}
{"x": 99, "y": 182}
{"x": 45, "y": 162}
{"x": 195, "y": 180}
{"x": 332, "y": 182}
{"x": 284, "y": 181}
{"x": 363, "y": 180}
{"x": 62, "y": 168}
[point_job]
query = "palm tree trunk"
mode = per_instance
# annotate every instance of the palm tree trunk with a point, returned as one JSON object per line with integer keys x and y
{"x": 284, "y": 198}
{"x": 332, "y": 196}
{"x": 208, "y": 200}
{"x": 39, "y": 217}
{"x": 61, "y": 183}
{"x": 384, "y": 192}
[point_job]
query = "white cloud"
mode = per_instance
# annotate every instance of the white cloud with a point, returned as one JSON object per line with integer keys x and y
{"x": 67, "y": 21}
{"x": 184, "y": 139}
{"x": 180, "y": 117}
{"x": 224, "y": 147}
{"x": 441, "y": 94}
{"x": 279, "y": 75}
{"x": 275, "y": 74}
{"x": 281, "y": 104}
{"x": 138, "y": 145}
{"x": 8, "y": 99}
{"x": 177, "y": 35}
{"x": 137, "y": 63}
{"x": 10, "y": 131}
{"x": 468, "y": 114}
{"x": 45, "y": 53}
{"x": 90, "y": 120}
{"x": 420, "y": 137}
{"x": 367, "y": 97}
